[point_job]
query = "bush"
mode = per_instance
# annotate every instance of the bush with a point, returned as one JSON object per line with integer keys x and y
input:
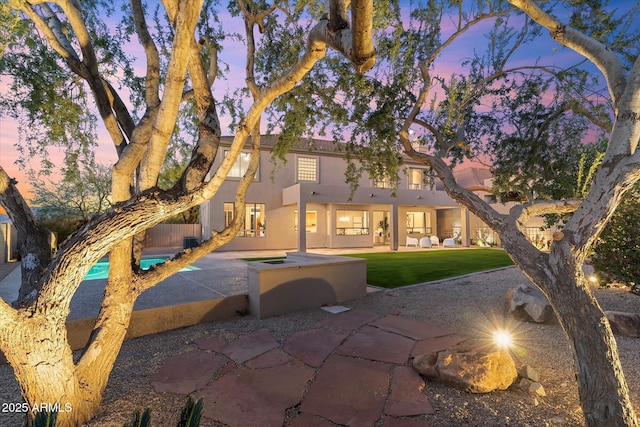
{"x": 616, "y": 254}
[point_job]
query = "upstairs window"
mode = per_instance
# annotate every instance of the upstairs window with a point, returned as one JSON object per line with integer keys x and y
{"x": 307, "y": 169}
{"x": 417, "y": 179}
{"x": 241, "y": 165}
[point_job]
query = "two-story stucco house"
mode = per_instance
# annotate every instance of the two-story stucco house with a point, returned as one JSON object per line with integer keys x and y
{"x": 309, "y": 193}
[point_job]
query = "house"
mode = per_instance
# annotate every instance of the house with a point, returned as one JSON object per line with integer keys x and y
{"x": 308, "y": 192}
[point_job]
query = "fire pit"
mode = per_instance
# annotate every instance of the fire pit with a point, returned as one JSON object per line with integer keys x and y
{"x": 301, "y": 281}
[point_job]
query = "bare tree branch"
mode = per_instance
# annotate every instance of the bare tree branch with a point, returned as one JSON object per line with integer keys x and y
{"x": 606, "y": 61}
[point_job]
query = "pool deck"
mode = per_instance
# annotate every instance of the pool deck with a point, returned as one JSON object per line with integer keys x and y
{"x": 220, "y": 275}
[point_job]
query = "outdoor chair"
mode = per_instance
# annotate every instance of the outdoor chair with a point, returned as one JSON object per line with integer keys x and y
{"x": 435, "y": 241}
{"x": 412, "y": 241}
{"x": 449, "y": 242}
{"x": 425, "y": 242}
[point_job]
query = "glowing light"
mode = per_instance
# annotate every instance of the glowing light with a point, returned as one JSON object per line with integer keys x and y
{"x": 593, "y": 279}
{"x": 502, "y": 339}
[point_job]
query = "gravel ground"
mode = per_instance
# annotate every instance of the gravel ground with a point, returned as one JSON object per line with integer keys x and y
{"x": 468, "y": 305}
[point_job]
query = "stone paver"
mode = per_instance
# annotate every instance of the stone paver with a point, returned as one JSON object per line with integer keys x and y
{"x": 256, "y": 397}
{"x": 308, "y": 420}
{"x": 314, "y": 345}
{"x": 411, "y": 328}
{"x": 404, "y": 422}
{"x": 250, "y": 346}
{"x": 350, "y": 370}
{"x": 406, "y": 398}
{"x": 349, "y": 320}
{"x": 375, "y": 344}
{"x": 271, "y": 358}
{"x": 430, "y": 345}
{"x": 348, "y": 391}
{"x": 187, "y": 372}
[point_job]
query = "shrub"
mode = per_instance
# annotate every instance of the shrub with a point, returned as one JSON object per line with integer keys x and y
{"x": 616, "y": 254}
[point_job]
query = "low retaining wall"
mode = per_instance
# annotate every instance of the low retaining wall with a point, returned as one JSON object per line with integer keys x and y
{"x": 161, "y": 319}
{"x": 302, "y": 281}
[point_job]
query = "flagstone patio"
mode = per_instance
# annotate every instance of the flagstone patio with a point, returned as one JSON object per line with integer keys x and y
{"x": 351, "y": 369}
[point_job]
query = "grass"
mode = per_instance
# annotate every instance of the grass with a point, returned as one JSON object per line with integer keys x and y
{"x": 397, "y": 269}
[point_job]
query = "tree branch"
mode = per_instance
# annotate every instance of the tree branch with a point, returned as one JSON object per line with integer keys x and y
{"x": 521, "y": 213}
{"x": 34, "y": 242}
{"x": 606, "y": 61}
{"x": 52, "y": 31}
{"x": 186, "y": 19}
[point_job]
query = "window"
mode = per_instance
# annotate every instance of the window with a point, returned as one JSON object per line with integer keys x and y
{"x": 254, "y": 219}
{"x": 241, "y": 165}
{"x": 228, "y": 213}
{"x": 417, "y": 223}
{"x": 382, "y": 182}
{"x": 417, "y": 179}
{"x": 352, "y": 223}
{"x": 312, "y": 221}
{"x": 307, "y": 169}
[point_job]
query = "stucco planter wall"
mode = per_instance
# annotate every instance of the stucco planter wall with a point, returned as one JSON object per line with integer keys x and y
{"x": 302, "y": 281}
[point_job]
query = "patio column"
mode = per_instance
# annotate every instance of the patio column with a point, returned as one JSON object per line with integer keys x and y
{"x": 393, "y": 238}
{"x": 302, "y": 225}
{"x": 465, "y": 226}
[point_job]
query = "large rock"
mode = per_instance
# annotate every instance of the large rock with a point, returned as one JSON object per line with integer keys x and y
{"x": 627, "y": 324}
{"x": 469, "y": 369}
{"x": 526, "y": 303}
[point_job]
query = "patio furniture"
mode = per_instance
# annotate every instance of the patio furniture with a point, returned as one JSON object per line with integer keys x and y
{"x": 451, "y": 241}
{"x": 425, "y": 242}
{"x": 435, "y": 241}
{"x": 412, "y": 241}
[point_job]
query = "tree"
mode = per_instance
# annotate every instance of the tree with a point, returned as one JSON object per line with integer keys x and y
{"x": 63, "y": 205}
{"x": 604, "y": 393}
{"x": 405, "y": 105}
{"x": 78, "y": 57}
{"x": 616, "y": 255}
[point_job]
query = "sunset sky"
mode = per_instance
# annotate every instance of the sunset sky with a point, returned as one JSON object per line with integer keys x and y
{"x": 234, "y": 55}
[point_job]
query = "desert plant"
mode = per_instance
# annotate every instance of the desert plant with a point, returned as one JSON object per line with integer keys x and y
{"x": 45, "y": 419}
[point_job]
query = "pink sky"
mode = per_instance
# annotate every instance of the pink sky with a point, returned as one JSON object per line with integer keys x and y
{"x": 234, "y": 55}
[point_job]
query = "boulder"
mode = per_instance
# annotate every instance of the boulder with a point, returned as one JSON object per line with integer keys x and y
{"x": 534, "y": 388}
{"x": 627, "y": 324}
{"x": 527, "y": 304}
{"x": 470, "y": 369}
{"x": 526, "y": 371}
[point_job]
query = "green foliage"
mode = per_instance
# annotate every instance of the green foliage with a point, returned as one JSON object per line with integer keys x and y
{"x": 191, "y": 413}
{"x": 542, "y": 144}
{"x": 190, "y": 416}
{"x": 616, "y": 254}
{"x": 140, "y": 419}
{"x": 45, "y": 419}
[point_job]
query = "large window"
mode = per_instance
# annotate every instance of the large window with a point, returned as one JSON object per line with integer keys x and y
{"x": 312, "y": 221}
{"x": 352, "y": 223}
{"x": 241, "y": 165}
{"x": 418, "y": 222}
{"x": 417, "y": 179}
{"x": 254, "y": 219}
{"x": 307, "y": 169}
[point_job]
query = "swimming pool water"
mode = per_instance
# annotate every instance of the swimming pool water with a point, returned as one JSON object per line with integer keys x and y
{"x": 100, "y": 269}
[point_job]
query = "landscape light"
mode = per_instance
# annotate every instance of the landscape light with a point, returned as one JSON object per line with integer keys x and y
{"x": 502, "y": 338}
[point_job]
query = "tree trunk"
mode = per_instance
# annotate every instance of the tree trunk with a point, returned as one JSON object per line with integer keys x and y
{"x": 43, "y": 365}
{"x": 604, "y": 394}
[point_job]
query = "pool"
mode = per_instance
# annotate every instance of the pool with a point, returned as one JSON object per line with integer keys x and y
{"x": 100, "y": 269}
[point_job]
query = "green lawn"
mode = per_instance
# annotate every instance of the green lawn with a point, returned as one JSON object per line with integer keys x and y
{"x": 396, "y": 269}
